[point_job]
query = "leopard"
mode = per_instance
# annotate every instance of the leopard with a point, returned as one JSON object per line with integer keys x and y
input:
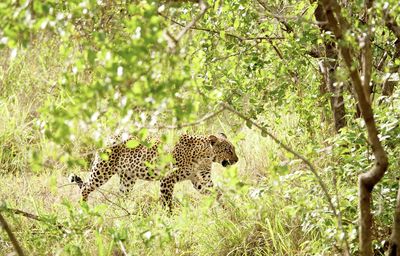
{"x": 192, "y": 155}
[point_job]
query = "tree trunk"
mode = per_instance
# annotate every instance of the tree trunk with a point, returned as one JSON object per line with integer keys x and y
{"x": 394, "y": 249}
{"x": 390, "y": 83}
{"x": 393, "y": 78}
{"x": 328, "y": 69}
{"x": 387, "y": 90}
{"x": 367, "y": 180}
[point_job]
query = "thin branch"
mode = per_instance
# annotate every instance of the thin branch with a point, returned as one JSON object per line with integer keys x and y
{"x": 216, "y": 32}
{"x": 11, "y": 235}
{"x": 160, "y": 127}
{"x": 292, "y": 73}
{"x": 128, "y": 213}
{"x": 30, "y": 216}
{"x": 25, "y": 214}
{"x": 233, "y": 54}
{"x": 280, "y": 19}
{"x": 195, "y": 123}
{"x": 287, "y": 148}
{"x": 278, "y": 52}
{"x": 203, "y": 9}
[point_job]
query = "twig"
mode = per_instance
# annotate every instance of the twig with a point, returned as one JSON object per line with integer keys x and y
{"x": 198, "y": 122}
{"x": 30, "y": 216}
{"x": 280, "y": 19}
{"x": 216, "y": 32}
{"x": 11, "y": 235}
{"x": 25, "y": 214}
{"x": 203, "y": 9}
{"x": 65, "y": 185}
{"x": 113, "y": 203}
{"x": 233, "y": 54}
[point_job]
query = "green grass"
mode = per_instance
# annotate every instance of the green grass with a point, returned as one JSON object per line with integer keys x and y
{"x": 253, "y": 222}
{"x": 272, "y": 205}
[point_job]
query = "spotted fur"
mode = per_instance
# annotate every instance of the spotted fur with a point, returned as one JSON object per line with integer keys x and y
{"x": 193, "y": 157}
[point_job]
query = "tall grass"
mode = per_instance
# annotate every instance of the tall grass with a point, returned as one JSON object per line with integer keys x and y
{"x": 271, "y": 204}
{"x": 27, "y": 78}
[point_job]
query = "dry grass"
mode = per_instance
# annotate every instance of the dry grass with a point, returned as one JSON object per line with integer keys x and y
{"x": 264, "y": 213}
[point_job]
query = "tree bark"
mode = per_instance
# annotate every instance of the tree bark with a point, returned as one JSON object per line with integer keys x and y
{"x": 367, "y": 180}
{"x": 366, "y": 51}
{"x": 390, "y": 83}
{"x": 394, "y": 247}
{"x": 387, "y": 90}
{"x": 328, "y": 69}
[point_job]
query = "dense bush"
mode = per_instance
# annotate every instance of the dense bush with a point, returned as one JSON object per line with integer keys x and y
{"x": 73, "y": 74}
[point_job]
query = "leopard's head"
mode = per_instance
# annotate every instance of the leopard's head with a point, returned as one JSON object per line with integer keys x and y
{"x": 224, "y": 151}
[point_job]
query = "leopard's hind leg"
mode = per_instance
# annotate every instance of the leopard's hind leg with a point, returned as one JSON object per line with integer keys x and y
{"x": 101, "y": 172}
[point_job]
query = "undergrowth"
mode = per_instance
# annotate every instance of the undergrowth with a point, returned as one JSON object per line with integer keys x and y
{"x": 272, "y": 204}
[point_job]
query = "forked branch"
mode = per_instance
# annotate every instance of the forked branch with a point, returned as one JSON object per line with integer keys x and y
{"x": 175, "y": 40}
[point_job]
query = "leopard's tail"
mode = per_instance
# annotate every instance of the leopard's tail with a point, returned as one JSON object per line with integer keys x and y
{"x": 73, "y": 178}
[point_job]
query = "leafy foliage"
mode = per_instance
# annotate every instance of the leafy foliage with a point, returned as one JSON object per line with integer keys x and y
{"x": 75, "y": 73}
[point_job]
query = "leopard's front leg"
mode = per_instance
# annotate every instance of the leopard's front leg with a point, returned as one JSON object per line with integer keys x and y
{"x": 202, "y": 182}
{"x": 168, "y": 184}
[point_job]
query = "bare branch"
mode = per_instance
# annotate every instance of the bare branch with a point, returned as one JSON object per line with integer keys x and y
{"x": 11, "y": 235}
{"x": 233, "y": 54}
{"x": 123, "y": 248}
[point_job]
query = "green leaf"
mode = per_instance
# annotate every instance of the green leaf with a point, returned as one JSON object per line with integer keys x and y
{"x": 104, "y": 156}
{"x": 222, "y": 34}
{"x": 132, "y": 143}
{"x": 264, "y": 133}
{"x": 236, "y": 23}
{"x": 249, "y": 124}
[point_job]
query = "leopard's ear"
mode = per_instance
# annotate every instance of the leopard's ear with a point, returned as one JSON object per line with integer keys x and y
{"x": 213, "y": 139}
{"x": 223, "y": 135}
